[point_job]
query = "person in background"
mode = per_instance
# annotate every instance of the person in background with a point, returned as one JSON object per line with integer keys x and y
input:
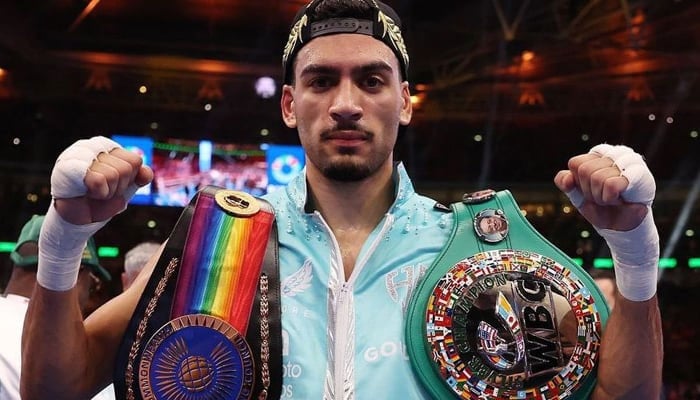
{"x": 605, "y": 279}
{"x": 14, "y": 301}
{"x": 347, "y": 94}
{"x": 135, "y": 259}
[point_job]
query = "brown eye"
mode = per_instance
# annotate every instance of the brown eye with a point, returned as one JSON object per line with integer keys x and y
{"x": 373, "y": 82}
{"x": 320, "y": 82}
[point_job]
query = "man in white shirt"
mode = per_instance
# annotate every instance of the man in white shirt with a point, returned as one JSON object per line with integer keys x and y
{"x": 13, "y": 303}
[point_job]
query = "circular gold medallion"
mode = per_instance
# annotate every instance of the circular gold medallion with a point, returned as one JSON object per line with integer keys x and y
{"x": 196, "y": 357}
{"x": 240, "y": 204}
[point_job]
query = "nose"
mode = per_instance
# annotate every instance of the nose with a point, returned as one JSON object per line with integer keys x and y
{"x": 346, "y": 103}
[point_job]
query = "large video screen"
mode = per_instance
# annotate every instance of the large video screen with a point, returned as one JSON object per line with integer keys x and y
{"x": 182, "y": 167}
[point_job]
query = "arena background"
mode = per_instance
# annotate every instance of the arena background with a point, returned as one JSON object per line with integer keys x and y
{"x": 505, "y": 91}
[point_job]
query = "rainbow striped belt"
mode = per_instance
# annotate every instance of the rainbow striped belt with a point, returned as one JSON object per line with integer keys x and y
{"x": 208, "y": 323}
{"x": 222, "y": 262}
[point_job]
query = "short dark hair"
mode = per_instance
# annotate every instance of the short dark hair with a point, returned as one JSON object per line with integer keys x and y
{"x": 342, "y": 9}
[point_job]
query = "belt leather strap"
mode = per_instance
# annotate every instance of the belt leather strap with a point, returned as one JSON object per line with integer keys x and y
{"x": 154, "y": 308}
{"x": 486, "y": 320}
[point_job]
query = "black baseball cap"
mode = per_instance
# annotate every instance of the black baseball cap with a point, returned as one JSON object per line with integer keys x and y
{"x": 382, "y": 23}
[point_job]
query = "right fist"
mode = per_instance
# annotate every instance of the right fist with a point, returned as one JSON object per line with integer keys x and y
{"x": 94, "y": 179}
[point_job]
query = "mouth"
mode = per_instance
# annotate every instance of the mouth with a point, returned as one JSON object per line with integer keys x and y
{"x": 345, "y": 134}
{"x": 346, "y": 137}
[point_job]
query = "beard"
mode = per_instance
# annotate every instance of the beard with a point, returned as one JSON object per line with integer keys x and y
{"x": 345, "y": 167}
{"x": 348, "y": 171}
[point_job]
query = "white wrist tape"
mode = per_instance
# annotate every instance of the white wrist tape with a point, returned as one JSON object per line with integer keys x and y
{"x": 61, "y": 246}
{"x": 636, "y": 257}
{"x": 68, "y": 175}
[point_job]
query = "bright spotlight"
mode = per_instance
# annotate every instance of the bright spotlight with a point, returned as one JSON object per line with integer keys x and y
{"x": 265, "y": 87}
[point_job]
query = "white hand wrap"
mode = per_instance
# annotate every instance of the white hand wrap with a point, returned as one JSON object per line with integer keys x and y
{"x": 68, "y": 175}
{"x": 61, "y": 246}
{"x": 635, "y": 252}
{"x": 642, "y": 187}
{"x": 576, "y": 197}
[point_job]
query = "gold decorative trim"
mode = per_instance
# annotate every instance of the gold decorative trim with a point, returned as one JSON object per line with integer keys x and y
{"x": 264, "y": 336}
{"x": 141, "y": 330}
{"x": 294, "y": 37}
{"x": 395, "y": 37}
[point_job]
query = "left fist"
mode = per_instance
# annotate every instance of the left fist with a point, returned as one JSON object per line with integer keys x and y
{"x": 611, "y": 186}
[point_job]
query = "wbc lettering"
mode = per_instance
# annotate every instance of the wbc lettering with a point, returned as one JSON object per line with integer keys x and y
{"x": 505, "y": 329}
{"x": 513, "y": 324}
{"x": 542, "y": 335}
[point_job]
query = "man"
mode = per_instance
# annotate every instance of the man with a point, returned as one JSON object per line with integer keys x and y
{"x": 491, "y": 225}
{"x": 13, "y": 303}
{"x": 605, "y": 279}
{"x": 351, "y": 230}
{"x": 135, "y": 260}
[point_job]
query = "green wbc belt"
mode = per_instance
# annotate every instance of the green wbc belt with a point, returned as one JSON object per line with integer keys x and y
{"x": 502, "y": 313}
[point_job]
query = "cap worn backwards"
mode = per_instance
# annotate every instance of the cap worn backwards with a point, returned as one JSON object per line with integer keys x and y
{"x": 383, "y": 24}
{"x": 30, "y": 233}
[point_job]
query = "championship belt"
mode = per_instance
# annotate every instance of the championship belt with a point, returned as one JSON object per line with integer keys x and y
{"x": 208, "y": 323}
{"x": 502, "y": 313}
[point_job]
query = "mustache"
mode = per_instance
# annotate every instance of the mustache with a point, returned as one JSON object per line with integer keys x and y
{"x": 341, "y": 128}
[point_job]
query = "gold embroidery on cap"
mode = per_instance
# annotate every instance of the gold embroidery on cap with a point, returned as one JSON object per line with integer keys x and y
{"x": 394, "y": 35}
{"x": 294, "y": 36}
